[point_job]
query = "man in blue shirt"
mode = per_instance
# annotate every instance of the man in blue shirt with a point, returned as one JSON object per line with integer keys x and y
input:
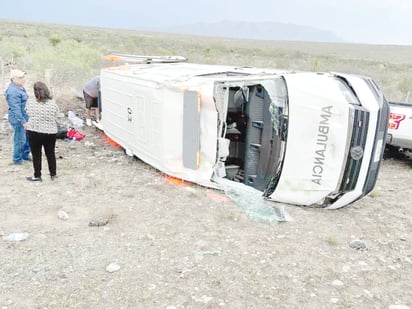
{"x": 16, "y": 97}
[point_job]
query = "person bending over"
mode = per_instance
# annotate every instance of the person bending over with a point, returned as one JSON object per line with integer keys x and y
{"x": 91, "y": 98}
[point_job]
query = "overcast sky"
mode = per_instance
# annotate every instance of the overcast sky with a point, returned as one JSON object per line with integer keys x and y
{"x": 358, "y": 21}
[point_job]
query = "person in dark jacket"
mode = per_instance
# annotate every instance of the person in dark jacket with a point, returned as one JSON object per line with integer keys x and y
{"x": 16, "y": 97}
{"x": 91, "y": 98}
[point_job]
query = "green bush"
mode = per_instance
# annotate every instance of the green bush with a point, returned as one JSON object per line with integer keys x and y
{"x": 54, "y": 40}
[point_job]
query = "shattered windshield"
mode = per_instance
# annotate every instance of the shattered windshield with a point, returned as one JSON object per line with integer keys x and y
{"x": 279, "y": 112}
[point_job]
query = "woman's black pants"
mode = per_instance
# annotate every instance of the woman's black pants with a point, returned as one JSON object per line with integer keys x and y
{"x": 37, "y": 141}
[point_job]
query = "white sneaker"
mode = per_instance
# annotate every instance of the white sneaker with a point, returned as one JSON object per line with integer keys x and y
{"x": 89, "y": 122}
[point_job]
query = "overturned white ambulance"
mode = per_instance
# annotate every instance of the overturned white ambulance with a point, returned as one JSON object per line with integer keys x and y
{"x": 304, "y": 138}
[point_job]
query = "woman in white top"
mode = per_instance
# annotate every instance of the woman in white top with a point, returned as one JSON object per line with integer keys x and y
{"x": 42, "y": 129}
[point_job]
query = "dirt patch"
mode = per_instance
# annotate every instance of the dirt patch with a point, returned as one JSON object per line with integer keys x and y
{"x": 172, "y": 244}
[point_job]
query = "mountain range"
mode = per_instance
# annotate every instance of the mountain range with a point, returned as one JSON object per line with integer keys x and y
{"x": 254, "y": 30}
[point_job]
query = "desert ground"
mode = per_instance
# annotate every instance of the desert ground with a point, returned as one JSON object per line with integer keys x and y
{"x": 112, "y": 232}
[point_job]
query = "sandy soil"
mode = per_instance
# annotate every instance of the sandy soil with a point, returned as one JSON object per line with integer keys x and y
{"x": 171, "y": 244}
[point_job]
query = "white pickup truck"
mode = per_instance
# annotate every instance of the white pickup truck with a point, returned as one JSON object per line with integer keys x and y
{"x": 304, "y": 138}
{"x": 400, "y": 127}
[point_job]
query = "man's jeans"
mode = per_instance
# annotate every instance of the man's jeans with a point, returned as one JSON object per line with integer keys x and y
{"x": 21, "y": 148}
